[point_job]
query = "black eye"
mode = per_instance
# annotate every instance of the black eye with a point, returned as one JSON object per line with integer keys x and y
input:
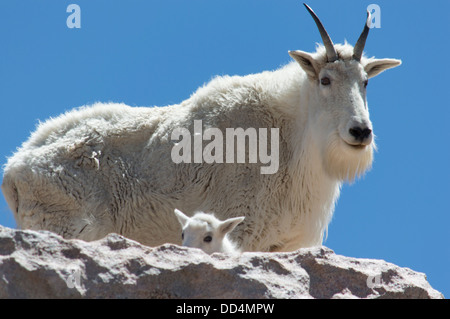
{"x": 182, "y": 235}
{"x": 207, "y": 239}
{"x": 325, "y": 81}
{"x": 365, "y": 83}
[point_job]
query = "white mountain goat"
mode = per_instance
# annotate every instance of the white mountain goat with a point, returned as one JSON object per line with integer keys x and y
{"x": 206, "y": 232}
{"x": 108, "y": 167}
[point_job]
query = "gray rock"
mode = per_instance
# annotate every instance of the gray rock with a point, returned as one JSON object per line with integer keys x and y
{"x": 40, "y": 264}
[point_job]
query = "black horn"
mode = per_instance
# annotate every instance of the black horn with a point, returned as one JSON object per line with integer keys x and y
{"x": 359, "y": 46}
{"x": 329, "y": 46}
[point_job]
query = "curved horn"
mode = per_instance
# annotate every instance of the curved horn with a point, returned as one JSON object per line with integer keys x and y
{"x": 331, "y": 51}
{"x": 359, "y": 46}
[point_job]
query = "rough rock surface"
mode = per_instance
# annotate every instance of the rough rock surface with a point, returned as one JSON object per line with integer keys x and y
{"x": 44, "y": 265}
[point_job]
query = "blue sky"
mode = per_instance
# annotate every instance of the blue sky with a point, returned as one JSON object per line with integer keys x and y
{"x": 146, "y": 53}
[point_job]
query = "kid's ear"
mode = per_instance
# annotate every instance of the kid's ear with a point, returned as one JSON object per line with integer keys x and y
{"x": 229, "y": 224}
{"x": 376, "y": 66}
{"x": 182, "y": 218}
{"x": 307, "y": 62}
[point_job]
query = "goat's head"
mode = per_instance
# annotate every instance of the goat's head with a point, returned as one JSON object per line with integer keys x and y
{"x": 204, "y": 231}
{"x": 339, "y": 116}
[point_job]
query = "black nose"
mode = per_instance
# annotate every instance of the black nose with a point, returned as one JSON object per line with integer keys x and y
{"x": 360, "y": 134}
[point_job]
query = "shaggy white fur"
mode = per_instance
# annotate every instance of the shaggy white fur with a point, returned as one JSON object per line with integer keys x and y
{"x": 107, "y": 167}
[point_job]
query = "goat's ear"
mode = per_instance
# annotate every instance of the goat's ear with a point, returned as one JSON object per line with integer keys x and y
{"x": 307, "y": 62}
{"x": 182, "y": 218}
{"x": 376, "y": 66}
{"x": 229, "y": 224}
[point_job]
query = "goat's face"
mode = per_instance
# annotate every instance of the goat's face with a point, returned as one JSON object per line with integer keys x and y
{"x": 338, "y": 114}
{"x": 200, "y": 234}
{"x": 340, "y": 107}
{"x": 204, "y": 231}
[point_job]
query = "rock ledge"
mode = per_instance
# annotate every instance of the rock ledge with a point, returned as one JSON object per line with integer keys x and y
{"x": 40, "y": 264}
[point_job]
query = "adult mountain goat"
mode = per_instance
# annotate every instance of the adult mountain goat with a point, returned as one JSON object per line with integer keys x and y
{"x": 108, "y": 167}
